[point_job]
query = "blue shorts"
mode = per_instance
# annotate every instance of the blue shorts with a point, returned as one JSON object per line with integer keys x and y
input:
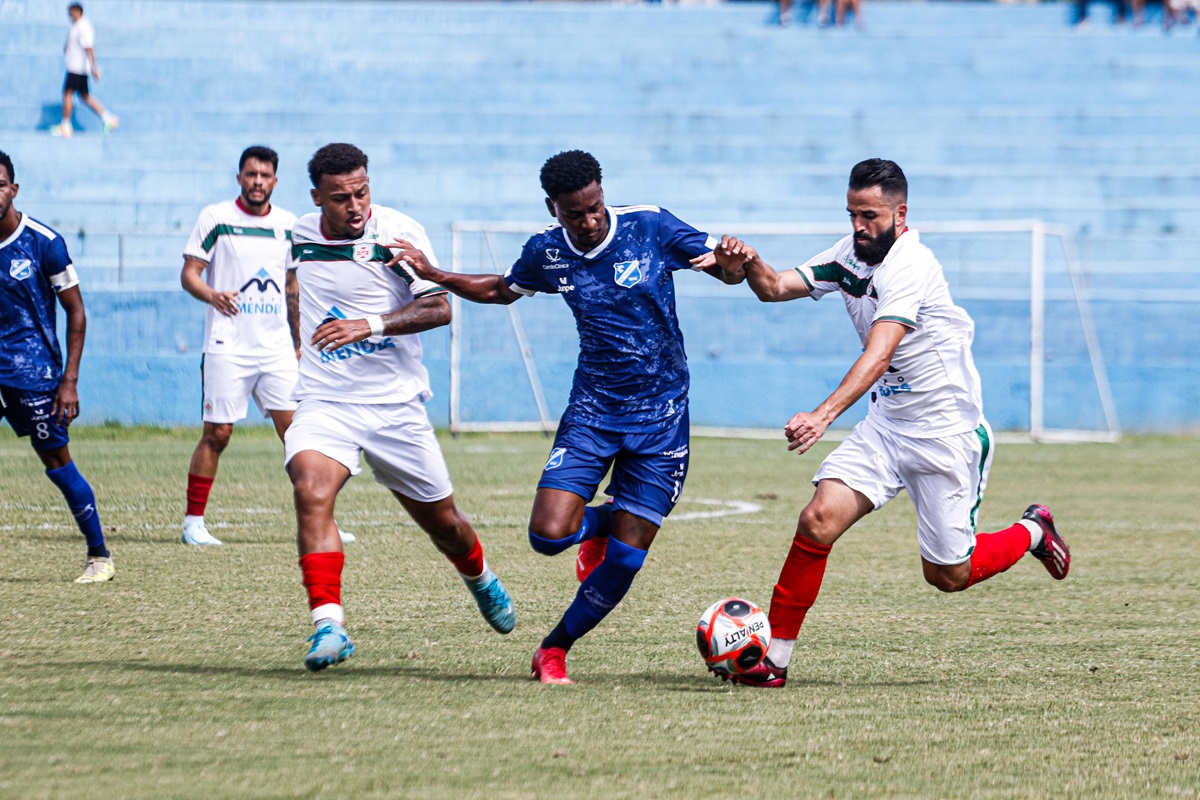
{"x": 648, "y": 470}
{"x": 28, "y": 412}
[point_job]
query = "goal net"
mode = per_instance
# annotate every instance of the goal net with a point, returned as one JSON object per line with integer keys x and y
{"x": 753, "y": 364}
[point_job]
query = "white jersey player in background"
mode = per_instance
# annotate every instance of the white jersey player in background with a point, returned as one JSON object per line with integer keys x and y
{"x": 924, "y": 432}
{"x": 235, "y": 263}
{"x": 362, "y": 391}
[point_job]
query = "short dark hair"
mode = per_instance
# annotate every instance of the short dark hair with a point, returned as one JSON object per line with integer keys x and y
{"x": 259, "y": 153}
{"x": 880, "y": 172}
{"x": 6, "y": 162}
{"x": 569, "y": 171}
{"x": 74, "y": 6}
{"x": 335, "y": 159}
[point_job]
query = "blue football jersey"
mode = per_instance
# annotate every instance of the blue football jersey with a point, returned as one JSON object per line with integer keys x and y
{"x": 632, "y": 373}
{"x": 33, "y": 265}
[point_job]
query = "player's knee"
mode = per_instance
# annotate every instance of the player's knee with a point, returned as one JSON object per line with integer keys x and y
{"x": 311, "y": 492}
{"x": 217, "y": 437}
{"x": 945, "y": 581}
{"x": 816, "y": 525}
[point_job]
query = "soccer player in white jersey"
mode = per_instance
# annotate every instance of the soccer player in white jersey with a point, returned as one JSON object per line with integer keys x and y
{"x": 39, "y": 393}
{"x": 924, "y": 432}
{"x": 362, "y": 391}
{"x": 235, "y": 262}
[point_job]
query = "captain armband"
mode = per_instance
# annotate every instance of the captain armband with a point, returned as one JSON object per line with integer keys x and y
{"x": 66, "y": 279}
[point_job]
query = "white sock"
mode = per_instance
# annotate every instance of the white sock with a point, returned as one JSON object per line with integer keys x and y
{"x": 1035, "y": 532}
{"x": 192, "y": 518}
{"x": 780, "y": 652}
{"x": 329, "y": 611}
{"x": 478, "y": 577}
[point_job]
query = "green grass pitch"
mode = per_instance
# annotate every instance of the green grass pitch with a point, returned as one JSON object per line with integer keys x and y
{"x": 184, "y": 677}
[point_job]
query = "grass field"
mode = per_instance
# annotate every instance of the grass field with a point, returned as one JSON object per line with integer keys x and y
{"x": 183, "y": 678}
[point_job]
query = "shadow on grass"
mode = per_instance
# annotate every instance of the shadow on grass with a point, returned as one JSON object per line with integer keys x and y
{"x": 700, "y": 684}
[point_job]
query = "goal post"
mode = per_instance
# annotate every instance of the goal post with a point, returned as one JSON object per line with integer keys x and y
{"x": 1036, "y": 344}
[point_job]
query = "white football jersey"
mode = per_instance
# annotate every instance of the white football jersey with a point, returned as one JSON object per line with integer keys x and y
{"x": 246, "y": 254}
{"x": 349, "y": 279}
{"x": 931, "y": 387}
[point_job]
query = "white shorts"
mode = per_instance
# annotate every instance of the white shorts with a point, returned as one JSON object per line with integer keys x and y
{"x": 230, "y": 381}
{"x": 396, "y": 439}
{"x": 945, "y": 478}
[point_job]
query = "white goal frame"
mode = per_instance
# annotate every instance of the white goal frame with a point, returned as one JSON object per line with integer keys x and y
{"x": 1037, "y": 230}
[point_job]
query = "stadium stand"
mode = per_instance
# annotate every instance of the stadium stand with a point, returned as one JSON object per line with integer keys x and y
{"x": 995, "y": 112}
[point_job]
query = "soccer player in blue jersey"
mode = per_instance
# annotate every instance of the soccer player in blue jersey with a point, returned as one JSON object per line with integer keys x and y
{"x": 38, "y": 396}
{"x": 628, "y": 406}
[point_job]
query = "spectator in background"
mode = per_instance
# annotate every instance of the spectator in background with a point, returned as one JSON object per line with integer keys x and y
{"x": 80, "y": 55}
{"x": 854, "y": 7}
{"x": 1179, "y": 12}
{"x": 1122, "y": 10}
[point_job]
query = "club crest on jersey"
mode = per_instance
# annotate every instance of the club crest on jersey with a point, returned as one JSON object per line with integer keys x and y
{"x": 556, "y": 457}
{"x": 363, "y": 253}
{"x": 20, "y": 268}
{"x": 627, "y": 274}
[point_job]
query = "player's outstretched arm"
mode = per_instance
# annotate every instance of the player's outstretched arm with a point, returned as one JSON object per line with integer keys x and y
{"x": 725, "y": 262}
{"x": 192, "y": 279}
{"x": 487, "y": 288}
{"x": 806, "y": 428}
{"x": 422, "y": 314}
{"x": 771, "y": 286}
{"x": 66, "y": 400}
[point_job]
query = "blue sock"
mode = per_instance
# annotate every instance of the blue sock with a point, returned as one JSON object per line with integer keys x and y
{"x": 82, "y": 502}
{"x": 598, "y": 595}
{"x": 597, "y": 521}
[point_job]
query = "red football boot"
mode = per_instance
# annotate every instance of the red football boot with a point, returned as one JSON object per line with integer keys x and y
{"x": 550, "y": 666}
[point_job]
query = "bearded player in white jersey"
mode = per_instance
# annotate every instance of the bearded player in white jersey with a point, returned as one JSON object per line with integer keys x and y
{"x": 362, "y": 391}
{"x": 235, "y": 262}
{"x": 924, "y": 432}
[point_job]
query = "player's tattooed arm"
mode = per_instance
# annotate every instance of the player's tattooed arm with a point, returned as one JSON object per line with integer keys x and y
{"x": 291, "y": 292}
{"x": 422, "y": 314}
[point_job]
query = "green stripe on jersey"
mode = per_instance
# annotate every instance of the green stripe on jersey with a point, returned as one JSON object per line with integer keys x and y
{"x": 902, "y": 320}
{"x": 311, "y": 251}
{"x": 846, "y": 280}
{"x": 225, "y": 229}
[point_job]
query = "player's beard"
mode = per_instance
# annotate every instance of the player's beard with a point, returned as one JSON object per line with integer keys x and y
{"x": 874, "y": 250}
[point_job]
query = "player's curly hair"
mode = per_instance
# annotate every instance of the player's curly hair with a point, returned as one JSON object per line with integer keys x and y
{"x": 569, "y": 171}
{"x": 335, "y": 159}
{"x": 880, "y": 172}
{"x": 259, "y": 153}
{"x": 6, "y": 162}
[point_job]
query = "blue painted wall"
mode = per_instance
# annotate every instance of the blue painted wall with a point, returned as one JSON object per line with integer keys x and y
{"x": 995, "y": 112}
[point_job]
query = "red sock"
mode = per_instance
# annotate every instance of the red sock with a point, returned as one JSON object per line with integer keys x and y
{"x": 470, "y": 563}
{"x": 197, "y": 494}
{"x": 996, "y": 552}
{"x": 799, "y": 582}
{"x": 321, "y": 574}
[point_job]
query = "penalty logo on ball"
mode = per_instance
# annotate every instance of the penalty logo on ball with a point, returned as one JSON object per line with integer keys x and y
{"x": 733, "y": 636}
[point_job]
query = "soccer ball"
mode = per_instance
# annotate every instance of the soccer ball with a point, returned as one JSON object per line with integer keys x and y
{"x": 733, "y": 635}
